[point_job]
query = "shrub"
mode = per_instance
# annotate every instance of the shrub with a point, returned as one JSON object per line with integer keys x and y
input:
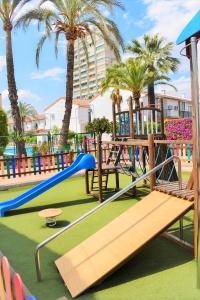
{"x": 178, "y": 129}
{"x": 99, "y": 126}
{"x": 3, "y": 131}
{"x": 44, "y": 148}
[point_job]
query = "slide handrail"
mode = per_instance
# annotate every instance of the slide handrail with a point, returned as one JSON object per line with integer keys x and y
{"x": 114, "y": 197}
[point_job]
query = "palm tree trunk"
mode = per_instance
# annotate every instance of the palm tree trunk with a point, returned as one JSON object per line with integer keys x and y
{"x": 12, "y": 92}
{"x": 151, "y": 98}
{"x": 136, "y": 97}
{"x": 151, "y": 94}
{"x": 118, "y": 100}
{"x": 69, "y": 93}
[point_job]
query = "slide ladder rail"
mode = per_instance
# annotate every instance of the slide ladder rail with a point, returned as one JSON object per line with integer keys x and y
{"x": 90, "y": 212}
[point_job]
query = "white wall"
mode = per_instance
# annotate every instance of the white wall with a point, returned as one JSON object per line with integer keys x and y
{"x": 55, "y": 113}
{"x": 102, "y": 105}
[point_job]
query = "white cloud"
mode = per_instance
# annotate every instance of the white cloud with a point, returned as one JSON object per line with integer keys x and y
{"x": 125, "y": 56}
{"x": 2, "y": 62}
{"x": 23, "y": 95}
{"x": 183, "y": 85}
{"x": 53, "y": 73}
{"x": 106, "y": 13}
{"x": 170, "y": 17}
{"x": 125, "y": 16}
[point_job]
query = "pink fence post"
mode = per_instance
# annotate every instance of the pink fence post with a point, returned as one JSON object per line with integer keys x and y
{"x": 24, "y": 164}
{"x": 18, "y": 159}
{"x": 49, "y": 161}
{"x": 2, "y": 291}
{"x": 18, "y": 287}
{"x": 66, "y": 159}
{"x": 7, "y": 278}
{"x": 44, "y": 163}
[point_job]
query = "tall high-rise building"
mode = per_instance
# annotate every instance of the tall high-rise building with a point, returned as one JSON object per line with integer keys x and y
{"x": 88, "y": 74}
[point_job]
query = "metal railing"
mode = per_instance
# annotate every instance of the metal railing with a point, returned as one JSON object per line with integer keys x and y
{"x": 114, "y": 197}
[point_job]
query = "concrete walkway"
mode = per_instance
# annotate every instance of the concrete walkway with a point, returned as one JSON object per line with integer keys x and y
{"x": 6, "y": 183}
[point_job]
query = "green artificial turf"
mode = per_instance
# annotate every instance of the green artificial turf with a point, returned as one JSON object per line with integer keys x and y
{"x": 161, "y": 270}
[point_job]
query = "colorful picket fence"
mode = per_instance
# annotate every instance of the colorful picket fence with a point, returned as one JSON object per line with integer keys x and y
{"x": 184, "y": 151}
{"x": 11, "y": 285}
{"x": 17, "y": 166}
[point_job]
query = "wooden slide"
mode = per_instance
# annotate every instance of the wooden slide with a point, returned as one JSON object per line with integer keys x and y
{"x": 118, "y": 241}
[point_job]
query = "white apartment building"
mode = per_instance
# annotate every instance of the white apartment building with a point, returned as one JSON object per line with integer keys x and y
{"x": 88, "y": 74}
{"x": 35, "y": 123}
{"x": 174, "y": 107}
{"x": 79, "y": 116}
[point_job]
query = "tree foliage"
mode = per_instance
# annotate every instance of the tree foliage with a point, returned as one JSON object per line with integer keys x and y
{"x": 3, "y": 131}
{"x": 157, "y": 56}
{"x": 74, "y": 19}
{"x": 133, "y": 75}
{"x": 99, "y": 126}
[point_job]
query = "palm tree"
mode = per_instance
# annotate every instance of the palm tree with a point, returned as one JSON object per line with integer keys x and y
{"x": 158, "y": 58}
{"x": 75, "y": 20}
{"x": 8, "y": 14}
{"x": 131, "y": 76}
{"x": 25, "y": 110}
{"x": 111, "y": 80}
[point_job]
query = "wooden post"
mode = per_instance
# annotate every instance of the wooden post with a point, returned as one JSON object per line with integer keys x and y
{"x": 196, "y": 149}
{"x": 87, "y": 185}
{"x": 99, "y": 165}
{"x": 131, "y": 117}
{"x": 162, "y": 118}
{"x": 151, "y": 160}
{"x": 114, "y": 120}
{"x": 2, "y": 167}
{"x": 117, "y": 179}
{"x": 144, "y": 162}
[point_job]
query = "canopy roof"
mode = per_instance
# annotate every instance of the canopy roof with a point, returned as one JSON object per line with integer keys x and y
{"x": 190, "y": 30}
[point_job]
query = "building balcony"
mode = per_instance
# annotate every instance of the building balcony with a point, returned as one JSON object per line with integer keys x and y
{"x": 185, "y": 114}
{"x": 171, "y": 113}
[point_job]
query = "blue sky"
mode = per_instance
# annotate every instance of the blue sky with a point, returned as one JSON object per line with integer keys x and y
{"x": 42, "y": 86}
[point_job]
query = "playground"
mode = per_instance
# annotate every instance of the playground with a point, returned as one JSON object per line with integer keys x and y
{"x": 157, "y": 267}
{"x": 126, "y": 228}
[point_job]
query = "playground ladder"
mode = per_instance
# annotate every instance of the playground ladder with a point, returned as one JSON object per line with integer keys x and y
{"x": 95, "y": 182}
{"x": 115, "y": 155}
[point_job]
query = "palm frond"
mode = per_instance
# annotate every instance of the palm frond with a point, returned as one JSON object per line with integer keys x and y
{"x": 39, "y": 48}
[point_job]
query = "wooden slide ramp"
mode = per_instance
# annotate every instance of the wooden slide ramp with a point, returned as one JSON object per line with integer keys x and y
{"x": 118, "y": 241}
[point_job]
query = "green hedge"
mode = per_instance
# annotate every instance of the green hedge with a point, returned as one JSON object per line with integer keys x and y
{"x": 3, "y": 131}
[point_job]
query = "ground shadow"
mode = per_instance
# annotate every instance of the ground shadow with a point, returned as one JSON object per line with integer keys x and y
{"x": 59, "y": 224}
{"x": 20, "y": 252}
{"x": 51, "y": 205}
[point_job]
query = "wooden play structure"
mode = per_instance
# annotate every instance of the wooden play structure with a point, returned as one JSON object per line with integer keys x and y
{"x": 170, "y": 198}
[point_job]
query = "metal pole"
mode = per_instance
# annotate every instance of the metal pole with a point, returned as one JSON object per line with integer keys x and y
{"x": 196, "y": 138}
{"x": 112, "y": 198}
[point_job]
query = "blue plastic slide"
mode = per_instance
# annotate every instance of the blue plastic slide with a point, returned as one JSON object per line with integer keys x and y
{"x": 83, "y": 161}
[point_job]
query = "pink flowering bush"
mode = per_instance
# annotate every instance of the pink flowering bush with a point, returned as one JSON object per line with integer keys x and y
{"x": 178, "y": 129}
